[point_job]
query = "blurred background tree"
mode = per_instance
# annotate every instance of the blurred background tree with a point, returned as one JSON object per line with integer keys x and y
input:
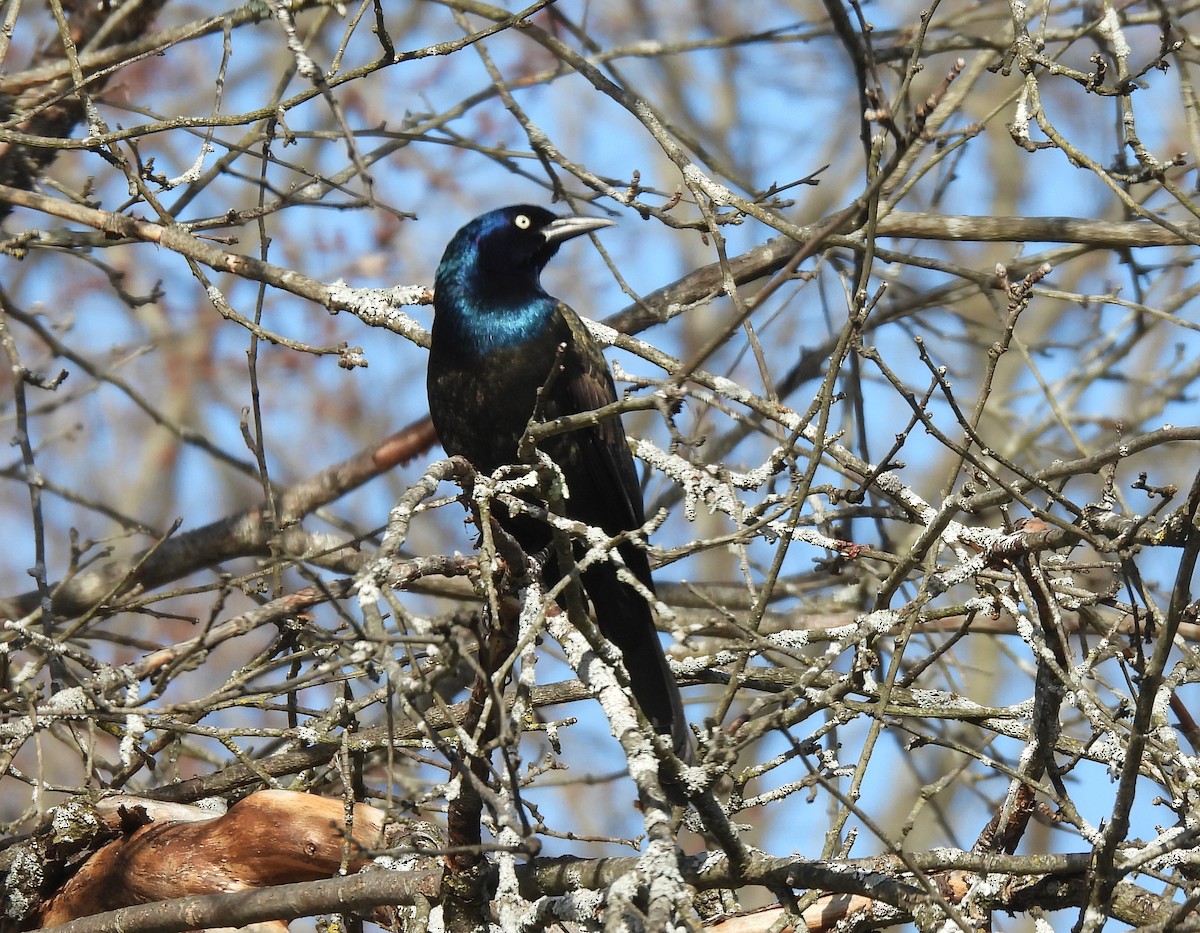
{"x": 904, "y": 307}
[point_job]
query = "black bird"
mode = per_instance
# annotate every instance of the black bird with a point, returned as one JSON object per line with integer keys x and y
{"x": 497, "y": 336}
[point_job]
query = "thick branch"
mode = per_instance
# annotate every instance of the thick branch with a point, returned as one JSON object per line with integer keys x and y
{"x": 245, "y": 534}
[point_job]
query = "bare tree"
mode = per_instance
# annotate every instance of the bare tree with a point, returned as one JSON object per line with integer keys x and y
{"x": 904, "y": 312}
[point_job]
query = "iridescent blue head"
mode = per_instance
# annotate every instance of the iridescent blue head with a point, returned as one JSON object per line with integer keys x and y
{"x": 487, "y": 290}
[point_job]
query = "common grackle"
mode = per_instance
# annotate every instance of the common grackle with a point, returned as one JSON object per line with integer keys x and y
{"x": 499, "y": 340}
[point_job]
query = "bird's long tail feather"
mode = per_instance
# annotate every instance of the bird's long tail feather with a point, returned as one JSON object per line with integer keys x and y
{"x": 625, "y": 619}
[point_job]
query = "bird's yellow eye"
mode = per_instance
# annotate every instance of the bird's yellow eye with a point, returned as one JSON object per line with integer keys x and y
{"x": 522, "y": 221}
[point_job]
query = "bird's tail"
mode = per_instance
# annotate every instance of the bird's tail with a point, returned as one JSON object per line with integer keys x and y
{"x": 624, "y": 618}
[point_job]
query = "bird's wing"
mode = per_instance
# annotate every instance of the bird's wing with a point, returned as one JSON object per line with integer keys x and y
{"x": 609, "y": 494}
{"x": 605, "y": 492}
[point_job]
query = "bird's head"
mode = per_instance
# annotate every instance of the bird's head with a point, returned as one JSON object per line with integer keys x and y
{"x": 506, "y": 249}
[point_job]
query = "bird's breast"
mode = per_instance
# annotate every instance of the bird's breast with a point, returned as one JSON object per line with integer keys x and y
{"x": 481, "y": 403}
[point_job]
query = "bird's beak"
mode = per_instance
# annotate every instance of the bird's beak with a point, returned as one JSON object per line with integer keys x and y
{"x": 566, "y": 228}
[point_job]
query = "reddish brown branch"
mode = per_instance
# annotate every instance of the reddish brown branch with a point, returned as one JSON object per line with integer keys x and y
{"x": 270, "y": 838}
{"x": 244, "y": 534}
